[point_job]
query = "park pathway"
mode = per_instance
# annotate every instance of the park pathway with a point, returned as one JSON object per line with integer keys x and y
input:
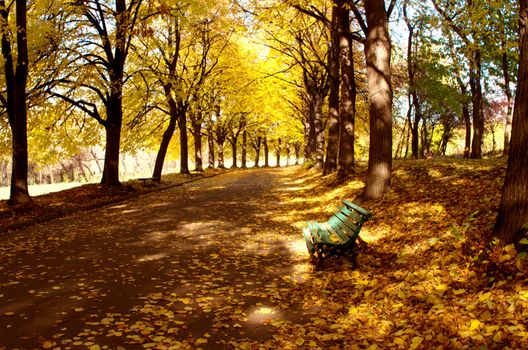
{"x": 212, "y": 265}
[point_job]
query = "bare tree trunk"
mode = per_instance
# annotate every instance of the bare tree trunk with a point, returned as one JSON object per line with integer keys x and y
{"x": 166, "y": 138}
{"x": 278, "y": 151}
{"x": 198, "y": 163}
{"x": 184, "y": 142}
{"x": 244, "y": 148}
{"x": 347, "y": 107}
{"x": 220, "y": 146}
{"x": 377, "y": 54}
{"x": 332, "y": 148}
{"x": 319, "y": 131}
{"x": 210, "y": 147}
{"x": 297, "y": 147}
{"x": 16, "y": 82}
{"x": 476, "y": 99}
{"x": 513, "y": 209}
{"x": 257, "y": 151}
{"x": 266, "y": 153}
{"x": 234, "y": 151}
{"x": 113, "y": 139}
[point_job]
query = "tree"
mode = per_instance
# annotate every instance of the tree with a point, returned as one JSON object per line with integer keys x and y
{"x": 377, "y": 56}
{"x": 99, "y": 53}
{"x": 347, "y": 103}
{"x": 468, "y": 27}
{"x": 16, "y": 81}
{"x": 513, "y": 208}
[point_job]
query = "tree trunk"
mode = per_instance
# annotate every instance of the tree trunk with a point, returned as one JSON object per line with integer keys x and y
{"x": 332, "y": 147}
{"x": 266, "y": 152}
{"x": 476, "y": 99}
{"x": 278, "y": 152}
{"x": 197, "y": 134}
{"x": 377, "y": 54}
{"x": 16, "y": 82}
{"x": 505, "y": 65}
{"x": 184, "y": 141}
{"x": 513, "y": 209}
{"x": 114, "y": 112}
{"x": 411, "y": 70}
{"x": 467, "y": 123}
{"x": 244, "y": 148}
{"x": 220, "y": 146}
{"x": 210, "y": 148}
{"x": 297, "y": 148}
{"x": 309, "y": 135}
{"x": 319, "y": 130}
{"x": 167, "y": 136}
{"x": 347, "y": 107}
{"x": 288, "y": 152}
{"x": 234, "y": 151}
{"x": 257, "y": 151}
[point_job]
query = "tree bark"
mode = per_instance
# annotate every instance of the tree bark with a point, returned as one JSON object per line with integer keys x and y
{"x": 244, "y": 148}
{"x": 377, "y": 54}
{"x": 167, "y": 134}
{"x": 234, "y": 151}
{"x": 16, "y": 82}
{"x": 309, "y": 132}
{"x": 297, "y": 148}
{"x": 266, "y": 152}
{"x": 513, "y": 209}
{"x": 197, "y": 133}
{"x": 332, "y": 147}
{"x": 347, "y": 107}
{"x": 476, "y": 99}
{"x": 220, "y": 148}
{"x": 114, "y": 118}
{"x": 257, "y": 150}
{"x": 278, "y": 152}
{"x": 319, "y": 130}
{"x": 210, "y": 147}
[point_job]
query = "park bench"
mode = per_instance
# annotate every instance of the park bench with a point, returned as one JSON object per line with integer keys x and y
{"x": 338, "y": 235}
{"x": 145, "y": 180}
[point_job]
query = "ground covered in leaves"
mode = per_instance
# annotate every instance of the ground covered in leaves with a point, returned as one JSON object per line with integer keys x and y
{"x": 221, "y": 264}
{"x": 85, "y": 197}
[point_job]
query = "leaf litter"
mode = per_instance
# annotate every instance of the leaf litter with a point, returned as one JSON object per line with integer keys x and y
{"x": 230, "y": 270}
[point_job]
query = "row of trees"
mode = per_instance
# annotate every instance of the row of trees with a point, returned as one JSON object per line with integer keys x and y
{"x": 158, "y": 67}
{"x": 460, "y": 61}
{"x": 132, "y": 73}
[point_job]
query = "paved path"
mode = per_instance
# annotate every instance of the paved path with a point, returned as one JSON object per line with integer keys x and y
{"x": 209, "y": 264}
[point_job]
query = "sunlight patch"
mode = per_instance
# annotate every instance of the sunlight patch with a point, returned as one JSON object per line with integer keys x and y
{"x": 263, "y": 314}
{"x": 152, "y": 257}
{"x": 298, "y": 247}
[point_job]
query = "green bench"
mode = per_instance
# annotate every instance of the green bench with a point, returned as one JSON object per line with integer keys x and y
{"x": 338, "y": 235}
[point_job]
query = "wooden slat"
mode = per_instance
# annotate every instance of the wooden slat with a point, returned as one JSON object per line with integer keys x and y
{"x": 337, "y": 225}
{"x": 351, "y": 214}
{"x": 342, "y": 237}
{"x": 324, "y": 234}
{"x": 332, "y": 233}
{"x": 353, "y": 226}
{"x": 314, "y": 233}
{"x": 367, "y": 214}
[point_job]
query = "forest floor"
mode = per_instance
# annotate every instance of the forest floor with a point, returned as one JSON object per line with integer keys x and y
{"x": 220, "y": 263}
